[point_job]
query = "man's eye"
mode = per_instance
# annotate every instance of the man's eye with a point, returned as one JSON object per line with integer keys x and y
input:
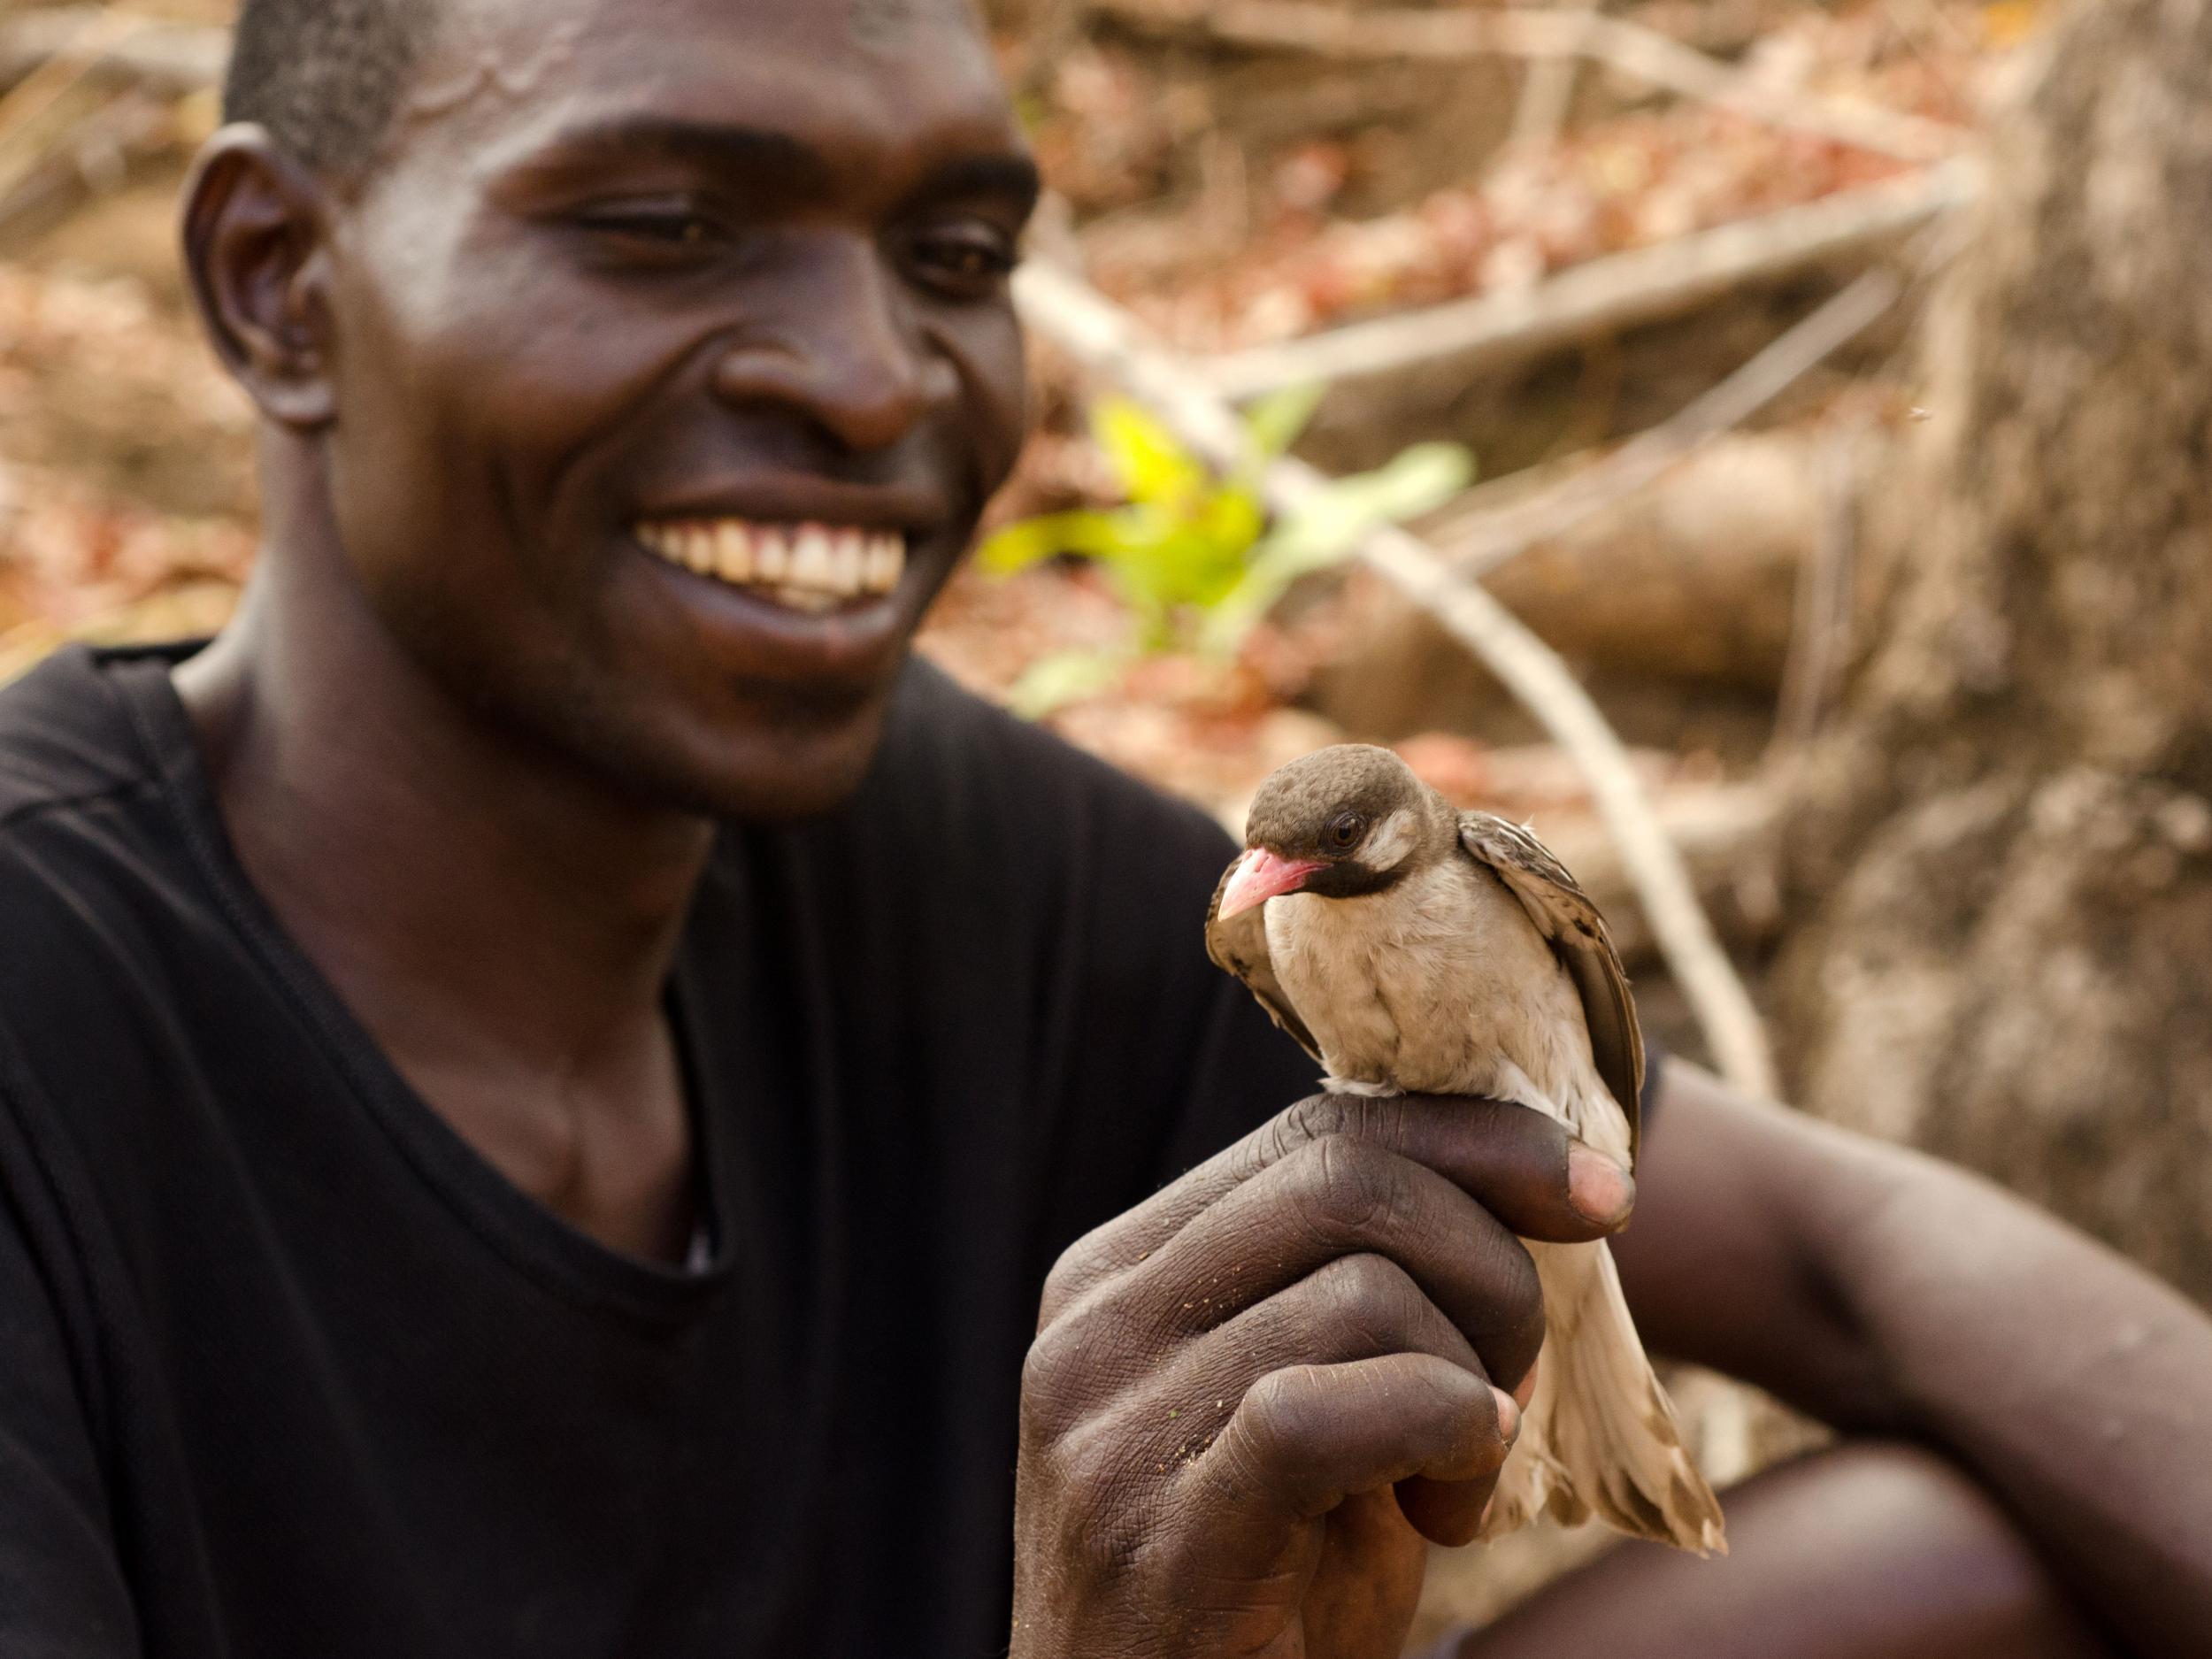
{"x": 669, "y": 231}
{"x": 965, "y": 263}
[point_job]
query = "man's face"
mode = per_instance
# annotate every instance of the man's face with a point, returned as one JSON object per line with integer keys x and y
{"x": 651, "y": 285}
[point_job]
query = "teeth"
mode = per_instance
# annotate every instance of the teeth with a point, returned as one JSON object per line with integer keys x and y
{"x": 886, "y": 563}
{"x": 772, "y": 556}
{"x": 734, "y": 553}
{"x": 811, "y": 562}
{"x": 809, "y": 567}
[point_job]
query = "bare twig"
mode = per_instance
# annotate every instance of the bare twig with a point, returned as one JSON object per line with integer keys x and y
{"x": 93, "y": 156}
{"x": 1548, "y": 93}
{"x": 1820, "y": 644}
{"x": 1478, "y": 543}
{"x": 1106, "y": 341}
{"x": 39, "y": 92}
{"x": 1603, "y": 295}
{"x": 1449, "y": 35}
{"x": 173, "y": 57}
{"x": 1730, "y": 837}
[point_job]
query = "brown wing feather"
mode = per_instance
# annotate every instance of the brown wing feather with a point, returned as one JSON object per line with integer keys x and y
{"x": 1239, "y": 945}
{"x": 1564, "y": 915}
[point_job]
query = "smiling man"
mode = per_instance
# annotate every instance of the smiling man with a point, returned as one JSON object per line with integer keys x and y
{"x": 544, "y": 1075}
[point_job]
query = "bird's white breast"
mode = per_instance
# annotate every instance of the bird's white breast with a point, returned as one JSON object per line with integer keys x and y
{"x": 1441, "y": 985}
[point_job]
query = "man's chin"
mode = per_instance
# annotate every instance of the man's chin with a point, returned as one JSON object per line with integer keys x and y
{"x": 770, "y": 773}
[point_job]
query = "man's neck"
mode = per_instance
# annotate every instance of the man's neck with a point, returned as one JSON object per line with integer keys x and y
{"x": 502, "y": 925}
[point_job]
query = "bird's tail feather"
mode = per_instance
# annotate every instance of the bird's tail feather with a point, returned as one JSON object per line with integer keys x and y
{"x": 1599, "y": 1435}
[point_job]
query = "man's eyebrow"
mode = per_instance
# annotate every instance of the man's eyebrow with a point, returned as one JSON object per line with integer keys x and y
{"x": 795, "y": 165}
{"x": 1011, "y": 176}
{"x": 712, "y": 145}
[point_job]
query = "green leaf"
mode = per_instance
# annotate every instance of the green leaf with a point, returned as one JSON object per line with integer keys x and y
{"x": 1325, "y": 529}
{"x": 1053, "y": 682}
{"x": 1275, "y": 422}
{"x": 1018, "y": 546}
{"x": 1328, "y": 528}
{"x": 1151, "y": 462}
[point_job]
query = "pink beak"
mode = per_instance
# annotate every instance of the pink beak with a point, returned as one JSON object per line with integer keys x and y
{"x": 1261, "y": 876}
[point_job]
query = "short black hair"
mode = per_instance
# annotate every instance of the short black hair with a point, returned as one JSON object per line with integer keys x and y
{"x": 325, "y": 77}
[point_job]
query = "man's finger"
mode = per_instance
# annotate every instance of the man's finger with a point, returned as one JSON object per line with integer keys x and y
{"x": 1446, "y": 1512}
{"x": 1338, "y": 1199}
{"x": 1305, "y": 1438}
{"x": 1512, "y": 1161}
{"x": 1354, "y": 1308}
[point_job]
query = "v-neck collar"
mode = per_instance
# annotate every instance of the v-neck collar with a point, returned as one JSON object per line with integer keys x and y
{"x": 551, "y": 1252}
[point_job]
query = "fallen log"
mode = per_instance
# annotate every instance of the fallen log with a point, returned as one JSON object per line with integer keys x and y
{"x": 1729, "y": 836}
{"x": 1691, "y": 582}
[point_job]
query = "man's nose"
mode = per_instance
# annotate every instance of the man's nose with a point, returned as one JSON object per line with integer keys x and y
{"x": 847, "y": 353}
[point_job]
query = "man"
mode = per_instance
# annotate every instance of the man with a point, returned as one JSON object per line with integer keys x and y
{"x": 541, "y": 1074}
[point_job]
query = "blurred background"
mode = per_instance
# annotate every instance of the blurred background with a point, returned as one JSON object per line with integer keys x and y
{"x": 1797, "y": 414}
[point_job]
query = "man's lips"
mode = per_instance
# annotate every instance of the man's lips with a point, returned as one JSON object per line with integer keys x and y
{"x": 1260, "y": 876}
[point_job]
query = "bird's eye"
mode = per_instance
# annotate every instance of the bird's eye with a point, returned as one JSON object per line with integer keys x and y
{"x": 1345, "y": 834}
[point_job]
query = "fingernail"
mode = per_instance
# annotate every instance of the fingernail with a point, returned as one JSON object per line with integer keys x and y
{"x": 1599, "y": 1188}
{"x": 1527, "y": 1390}
{"x": 1509, "y": 1416}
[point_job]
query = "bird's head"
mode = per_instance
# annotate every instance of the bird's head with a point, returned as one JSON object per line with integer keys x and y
{"x": 1341, "y": 823}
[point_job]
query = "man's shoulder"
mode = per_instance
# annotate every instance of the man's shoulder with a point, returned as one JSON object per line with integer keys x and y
{"x": 66, "y": 739}
{"x": 89, "y": 854}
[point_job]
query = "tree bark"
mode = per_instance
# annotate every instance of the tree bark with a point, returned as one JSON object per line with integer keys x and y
{"x": 2005, "y": 842}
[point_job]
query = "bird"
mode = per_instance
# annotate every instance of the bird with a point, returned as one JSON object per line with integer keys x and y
{"x": 1412, "y": 948}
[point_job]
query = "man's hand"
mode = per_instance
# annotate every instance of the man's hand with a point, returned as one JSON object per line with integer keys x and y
{"x": 1251, "y": 1399}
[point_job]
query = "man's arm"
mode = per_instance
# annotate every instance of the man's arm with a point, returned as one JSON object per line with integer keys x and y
{"x": 1888, "y": 1294}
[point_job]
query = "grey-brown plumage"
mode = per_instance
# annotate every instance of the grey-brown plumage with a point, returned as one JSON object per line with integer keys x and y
{"x": 1412, "y": 948}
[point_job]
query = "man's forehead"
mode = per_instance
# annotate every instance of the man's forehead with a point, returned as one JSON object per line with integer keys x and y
{"x": 876, "y": 24}
{"x": 881, "y": 25}
{"x": 518, "y": 50}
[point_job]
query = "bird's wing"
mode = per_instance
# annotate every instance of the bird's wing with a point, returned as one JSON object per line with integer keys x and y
{"x": 1239, "y": 945}
{"x": 1564, "y": 915}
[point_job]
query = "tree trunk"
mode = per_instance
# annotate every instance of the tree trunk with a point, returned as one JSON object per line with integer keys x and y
{"x": 2006, "y": 841}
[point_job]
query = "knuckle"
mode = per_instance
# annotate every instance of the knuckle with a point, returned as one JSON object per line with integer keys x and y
{"x": 1314, "y": 1119}
{"x": 1274, "y": 1406}
{"x": 1077, "y": 1267}
{"x": 1055, "y": 1375}
{"x": 1349, "y": 1187}
{"x": 1372, "y": 1298}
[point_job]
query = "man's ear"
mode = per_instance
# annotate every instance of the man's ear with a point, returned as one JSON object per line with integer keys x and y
{"x": 255, "y": 226}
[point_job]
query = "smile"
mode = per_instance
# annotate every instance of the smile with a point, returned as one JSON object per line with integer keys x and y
{"x": 809, "y": 567}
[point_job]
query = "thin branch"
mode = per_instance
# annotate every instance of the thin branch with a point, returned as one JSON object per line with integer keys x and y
{"x": 1603, "y": 295}
{"x": 1106, "y": 341}
{"x": 1478, "y": 543}
{"x": 1452, "y": 36}
{"x": 93, "y": 156}
{"x": 1820, "y": 643}
{"x": 45, "y": 87}
{"x": 172, "y": 56}
{"x": 1548, "y": 93}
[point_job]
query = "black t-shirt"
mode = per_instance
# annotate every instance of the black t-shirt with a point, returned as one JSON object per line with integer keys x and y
{"x": 286, "y": 1371}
